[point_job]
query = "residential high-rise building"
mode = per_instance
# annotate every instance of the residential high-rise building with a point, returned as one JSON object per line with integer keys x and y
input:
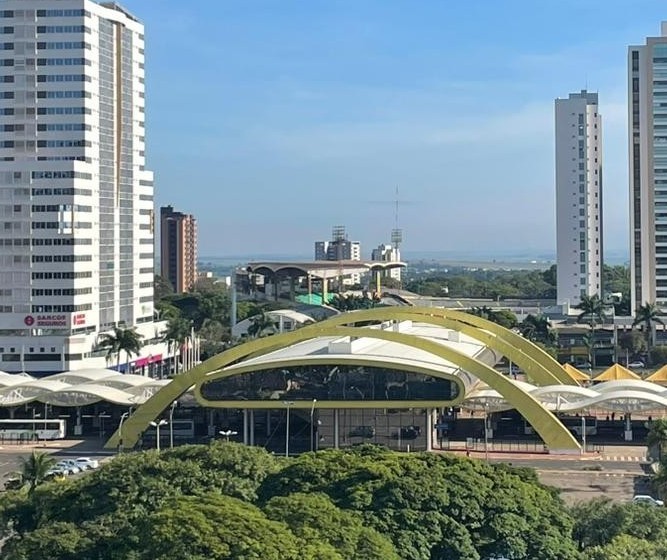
{"x": 76, "y": 244}
{"x": 578, "y": 197}
{"x": 647, "y": 142}
{"x": 340, "y": 248}
{"x": 178, "y": 255}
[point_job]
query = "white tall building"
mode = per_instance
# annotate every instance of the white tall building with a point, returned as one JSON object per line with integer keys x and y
{"x": 647, "y": 143}
{"x": 578, "y": 197}
{"x": 76, "y": 241}
{"x": 388, "y": 253}
{"x": 340, "y": 248}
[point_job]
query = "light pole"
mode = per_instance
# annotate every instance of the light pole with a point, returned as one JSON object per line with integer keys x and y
{"x": 583, "y": 434}
{"x": 227, "y": 434}
{"x": 486, "y": 431}
{"x": 287, "y": 404}
{"x": 171, "y": 425}
{"x": 157, "y": 425}
{"x": 120, "y": 430}
{"x": 312, "y": 427}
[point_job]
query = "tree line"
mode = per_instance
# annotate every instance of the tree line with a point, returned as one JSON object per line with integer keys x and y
{"x": 515, "y": 284}
{"x": 229, "y": 501}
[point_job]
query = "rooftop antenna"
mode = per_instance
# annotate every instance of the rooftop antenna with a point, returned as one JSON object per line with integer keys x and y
{"x": 396, "y": 233}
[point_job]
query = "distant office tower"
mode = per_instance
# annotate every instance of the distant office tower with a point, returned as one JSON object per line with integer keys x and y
{"x": 647, "y": 140}
{"x": 578, "y": 197}
{"x": 388, "y": 253}
{"x": 339, "y": 249}
{"x": 76, "y": 246}
{"x": 178, "y": 255}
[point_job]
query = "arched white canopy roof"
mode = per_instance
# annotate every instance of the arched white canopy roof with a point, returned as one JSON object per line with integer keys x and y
{"x": 621, "y": 396}
{"x": 78, "y": 388}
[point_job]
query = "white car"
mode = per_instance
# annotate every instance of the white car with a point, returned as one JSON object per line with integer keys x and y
{"x": 637, "y": 365}
{"x": 68, "y": 466}
{"x": 57, "y": 471}
{"x": 647, "y": 500}
{"x": 86, "y": 463}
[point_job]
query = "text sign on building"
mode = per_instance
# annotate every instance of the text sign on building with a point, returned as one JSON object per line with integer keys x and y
{"x": 50, "y": 321}
{"x": 55, "y": 320}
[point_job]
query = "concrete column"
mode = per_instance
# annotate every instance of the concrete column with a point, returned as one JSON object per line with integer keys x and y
{"x": 211, "y": 425}
{"x": 628, "y": 428}
{"x": 268, "y": 423}
{"x": 336, "y": 418}
{"x": 245, "y": 426}
{"x": 78, "y": 428}
{"x": 429, "y": 429}
{"x": 292, "y": 288}
{"x": 252, "y": 427}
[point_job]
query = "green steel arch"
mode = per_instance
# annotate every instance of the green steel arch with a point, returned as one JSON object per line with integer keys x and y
{"x": 554, "y": 434}
{"x": 535, "y": 362}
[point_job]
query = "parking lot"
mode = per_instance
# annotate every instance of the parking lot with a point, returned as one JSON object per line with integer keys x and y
{"x": 10, "y": 455}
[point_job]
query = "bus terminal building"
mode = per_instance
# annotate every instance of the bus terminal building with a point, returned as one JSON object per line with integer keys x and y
{"x": 396, "y": 376}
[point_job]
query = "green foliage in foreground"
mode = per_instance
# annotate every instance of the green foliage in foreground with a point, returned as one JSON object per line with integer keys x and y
{"x": 228, "y": 501}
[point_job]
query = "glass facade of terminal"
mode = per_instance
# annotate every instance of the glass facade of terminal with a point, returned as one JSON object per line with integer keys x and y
{"x": 330, "y": 383}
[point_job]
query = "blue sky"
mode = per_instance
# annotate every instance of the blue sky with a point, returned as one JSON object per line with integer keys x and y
{"x": 273, "y": 120}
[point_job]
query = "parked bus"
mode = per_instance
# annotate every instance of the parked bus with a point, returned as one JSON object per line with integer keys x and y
{"x": 182, "y": 429}
{"x": 572, "y": 423}
{"x": 27, "y": 429}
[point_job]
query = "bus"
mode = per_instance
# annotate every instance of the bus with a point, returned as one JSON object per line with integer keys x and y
{"x": 28, "y": 429}
{"x": 182, "y": 429}
{"x": 573, "y": 423}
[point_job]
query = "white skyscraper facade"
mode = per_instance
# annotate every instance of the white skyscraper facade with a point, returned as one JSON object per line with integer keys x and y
{"x": 578, "y": 197}
{"x": 76, "y": 241}
{"x": 647, "y": 142}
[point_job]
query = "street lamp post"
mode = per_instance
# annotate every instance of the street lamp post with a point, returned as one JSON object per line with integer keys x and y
{"x": 312, "y": 427}
{"x": 157, "y": 425}
{"x": 288, "y": 404}
{"x": 120, "y": 430}
{"x": 171, "y": 425}
{"x": 227, "y": 434}
{"x": 486, "y": 431}
{"x": 583, "y": 434}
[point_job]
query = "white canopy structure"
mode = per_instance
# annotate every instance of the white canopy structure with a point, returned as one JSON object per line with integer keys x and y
{"x": 78, "y": 388}
{"x": 628, "y": 395}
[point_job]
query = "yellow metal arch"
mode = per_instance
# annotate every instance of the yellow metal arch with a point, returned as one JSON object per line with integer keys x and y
{"x": 331, "y": 360}
{"x": 554, "y": 434}
{"x": 538, "y": 365}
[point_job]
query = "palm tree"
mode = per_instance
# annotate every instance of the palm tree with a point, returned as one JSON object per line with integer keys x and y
{"x": 34, "y": 469}
{"x": 645, "y": 316}
{"x": 537, "y": 329}
{"x": 260, "y": 324}
{"x": 592, "y": 309}
{"x": 177, "y": 333}
{"x": 657, "y": 435}
{"x": 121, "y": 340}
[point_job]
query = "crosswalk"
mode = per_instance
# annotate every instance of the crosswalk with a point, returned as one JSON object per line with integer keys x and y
{"x": 625, "y": 458}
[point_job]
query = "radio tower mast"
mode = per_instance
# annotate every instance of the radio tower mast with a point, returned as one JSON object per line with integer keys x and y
{"x": 396, "y": 233}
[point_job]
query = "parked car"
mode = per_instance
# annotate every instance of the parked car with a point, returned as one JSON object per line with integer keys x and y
{"x": 584, "y": 365}
{"x": 57, "y": 472}
{"x": 410, "y": 432}
{"x": 68, "y": 466}
{"x": 86, "y": 463}
{"x": 363, "y": 431}
{"x": 647, "y": 500}
{"x": 637, "y": 364}
{"x": 14, "y": 483}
